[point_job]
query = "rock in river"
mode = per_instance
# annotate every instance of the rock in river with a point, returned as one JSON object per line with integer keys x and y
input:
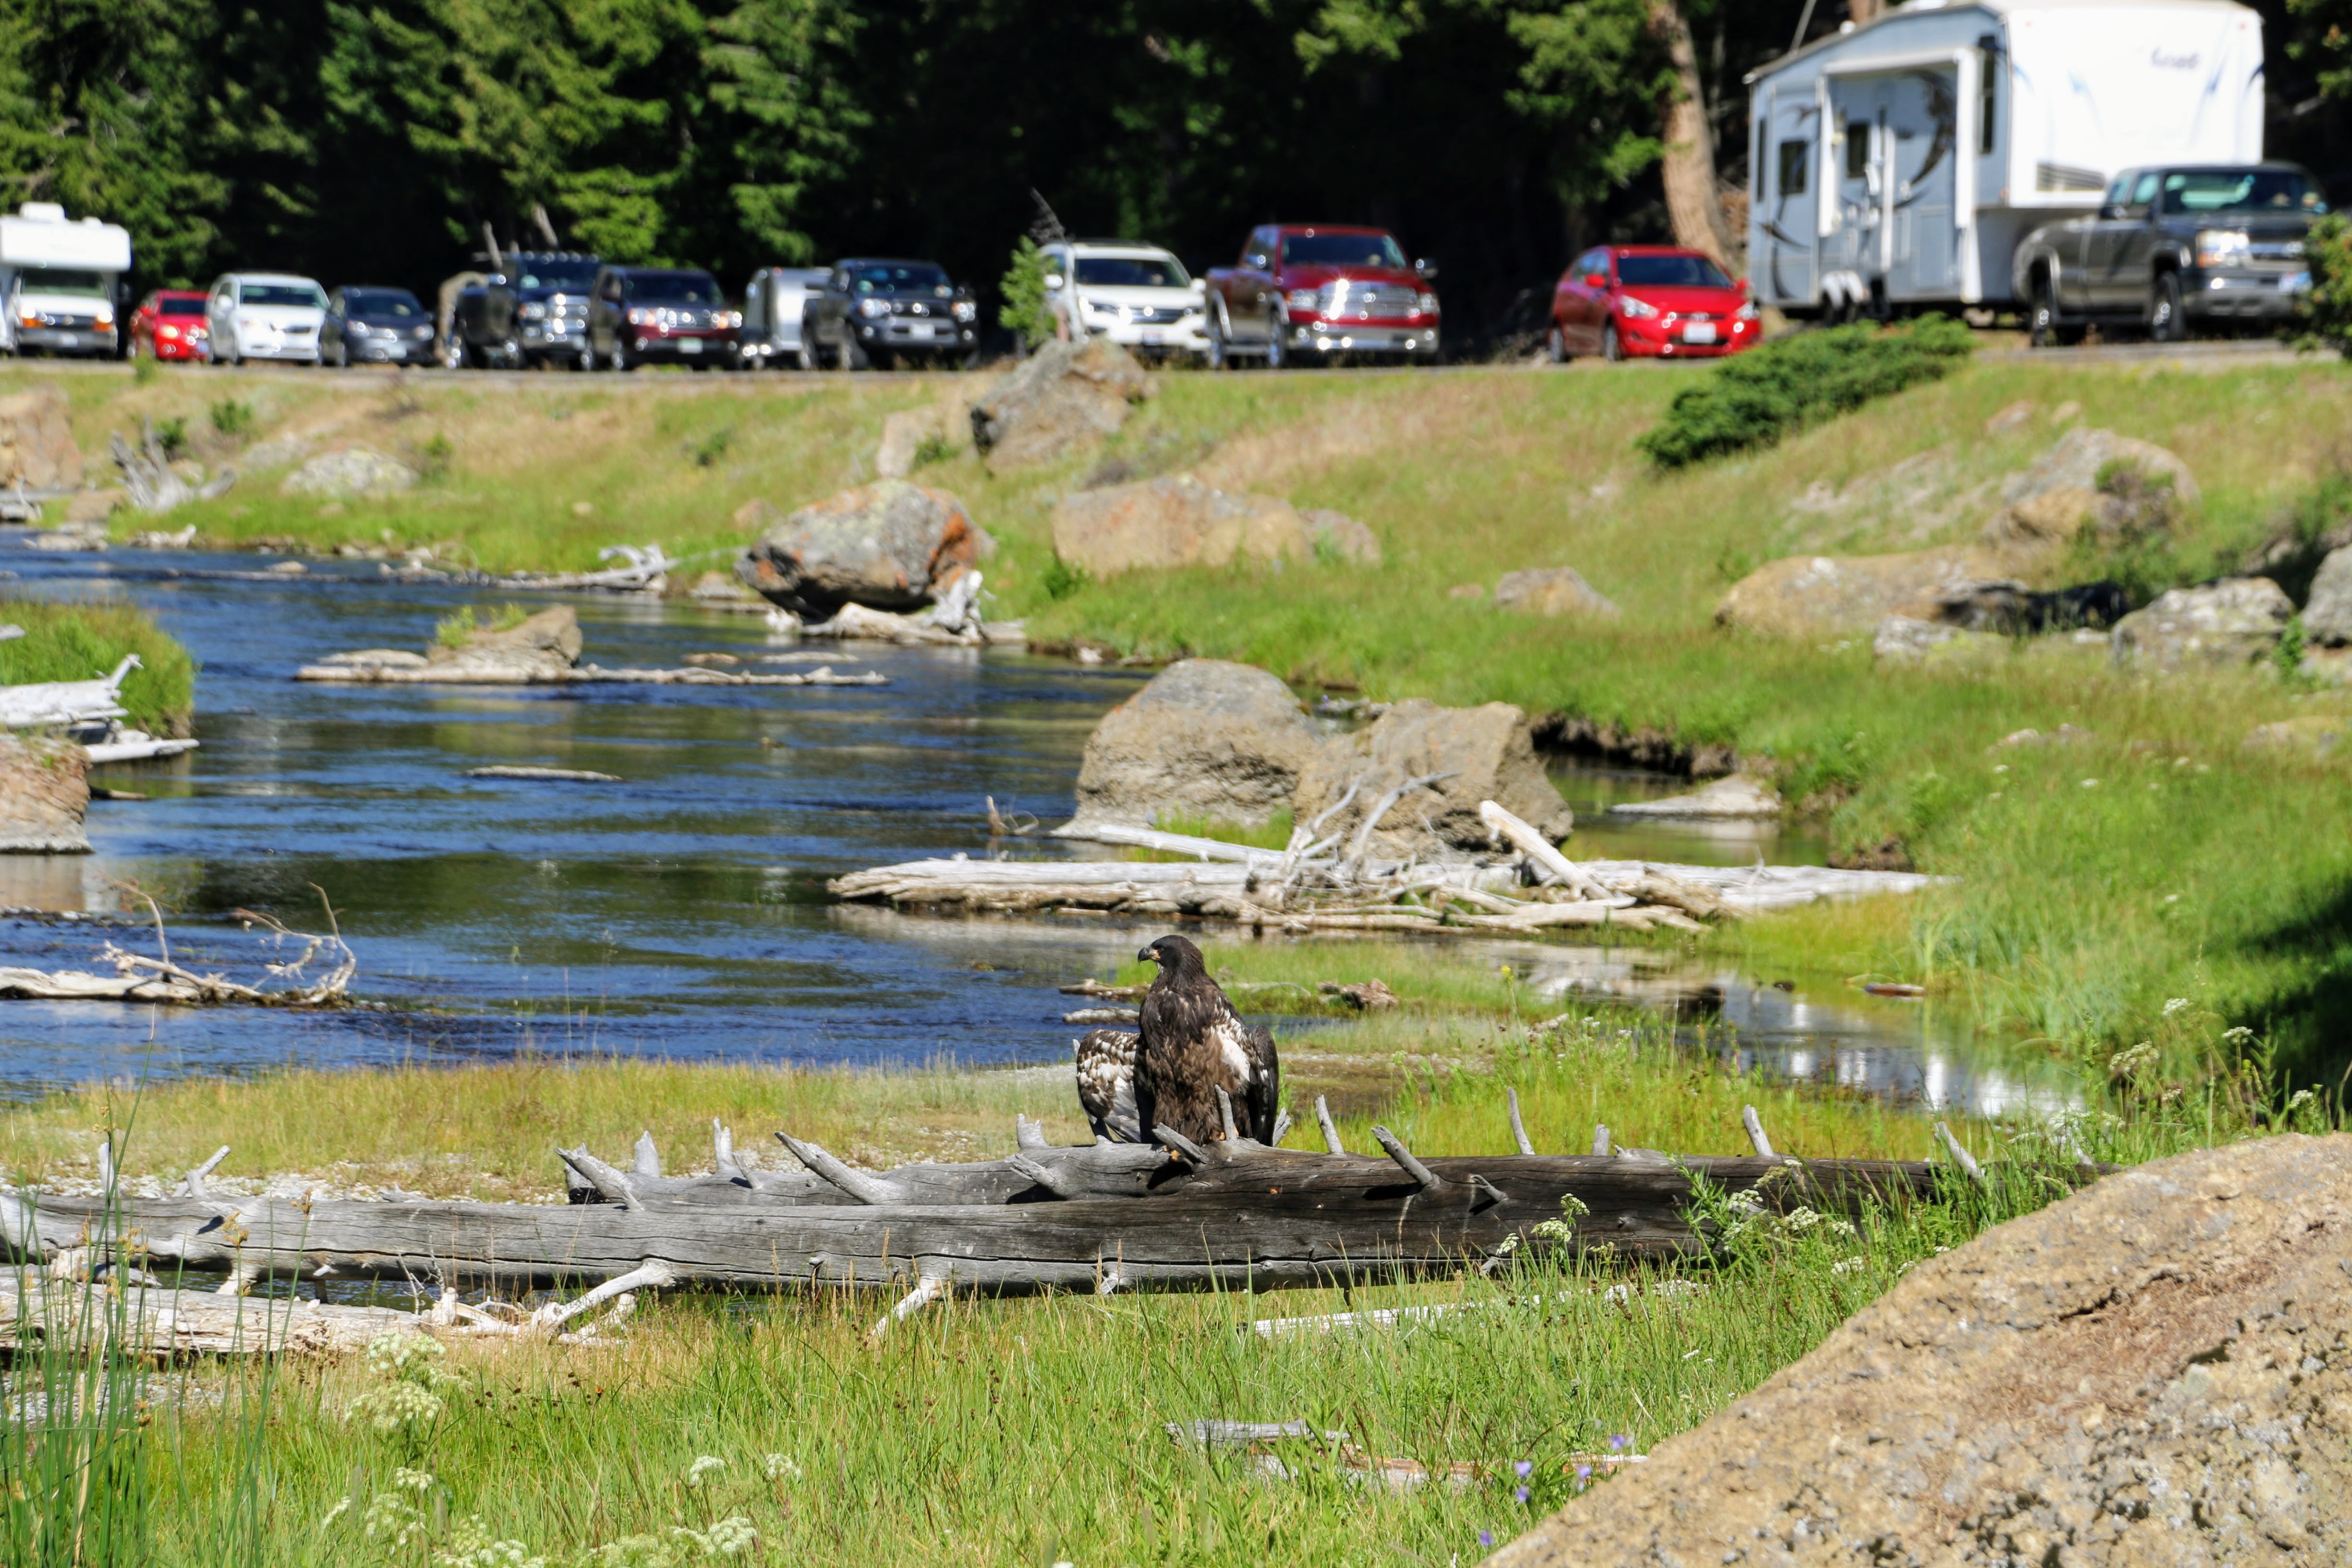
{"x": 1172, "y": 521}
{"x": 1487, "y": 751}
{"x": 891, "y": 545}
{"x": 546, "y": 643}
{"x": 2151, "y": 1371}
{"x": 42, "y": 796}
{"x": 1063, "y": 398}
{"x": 2234, "y": 621}
{"x": 1205, "y": 740}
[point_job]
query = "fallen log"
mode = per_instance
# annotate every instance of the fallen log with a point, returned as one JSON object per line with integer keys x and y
{"x": 579, "y": 675}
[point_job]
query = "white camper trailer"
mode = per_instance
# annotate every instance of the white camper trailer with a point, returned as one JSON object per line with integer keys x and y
{"x": 1895, "y": 165}
{"x": 60, "y": 281}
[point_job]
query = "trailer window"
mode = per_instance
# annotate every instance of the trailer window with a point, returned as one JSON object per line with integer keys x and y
{"x": 1857, "y": 149}
{"x": 1796, "y": 159}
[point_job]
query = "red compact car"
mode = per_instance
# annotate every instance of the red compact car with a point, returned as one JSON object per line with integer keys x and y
{"x": 1619, "y": 301}
{"x": 170, "y": 324}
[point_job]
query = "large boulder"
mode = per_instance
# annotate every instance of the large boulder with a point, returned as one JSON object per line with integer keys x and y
{"x": 1175, "y": 521}
{"x": 2327, "y": 612}
{"x": 2111, "y": 486}
{"x": 43, "y": 795}
{"x": 1551, "y": 591}
{"x": 2152, "y": 1372}
{"x": 1487, "y": 752}
{"x": 347, "y": 472}
{"x": 891, "y": 545}
{"x": 1818, "y": 595}
{"x": 36, "y": 444}
{"x": 1063, "y": 399}
{"x": 1206, "y": 739}
{"x": 2234, "y": 621}
{"x": 546, "y": 643}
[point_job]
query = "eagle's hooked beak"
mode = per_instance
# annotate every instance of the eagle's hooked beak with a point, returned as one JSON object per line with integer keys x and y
{"x": 1149, "y": 955}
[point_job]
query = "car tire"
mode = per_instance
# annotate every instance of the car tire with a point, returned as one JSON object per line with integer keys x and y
{"x": 1215, "y": 355}
{"x": 1277, "y": 353}
{"x": 2041, "y": 317}
{"x": 342, "y": 355}
{"x": 1556, "y": 346}
{"x": 2166, "y": 321}
{"x": 854, "y": 355}
{"x": 1613, "y": 347}
{"x": 802, "y": 357}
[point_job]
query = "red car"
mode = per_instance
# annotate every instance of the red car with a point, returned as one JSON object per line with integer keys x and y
{"x": 1622, "y": 301}
{"x": 170, "y": 324}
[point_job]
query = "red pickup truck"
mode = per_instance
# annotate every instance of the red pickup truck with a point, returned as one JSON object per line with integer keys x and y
{"x": 1311, "y": 291}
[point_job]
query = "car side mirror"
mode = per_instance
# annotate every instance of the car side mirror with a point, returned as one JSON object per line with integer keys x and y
{"x": 1200, "y": 286}
{"x": 2109, "y": 211}
{"x": 1596, "y": 280}
{"x": 1426, "y": 267}
{"x": 1052, "y": 281}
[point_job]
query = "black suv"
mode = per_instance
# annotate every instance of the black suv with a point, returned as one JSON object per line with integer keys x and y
{"x": 531, "y": 307}
{"x": 375, "y": 326}
{"x": 874, "y": 310}
{"x": 2194, "y": 243}
{"x": 670, "y": 315}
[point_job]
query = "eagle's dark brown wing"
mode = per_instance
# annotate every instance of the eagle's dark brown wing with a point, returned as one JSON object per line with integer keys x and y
{"x": 1106, "y": 1083}
{"x": 1260, "y": 1103}
{"x": 1192, "y": 1043}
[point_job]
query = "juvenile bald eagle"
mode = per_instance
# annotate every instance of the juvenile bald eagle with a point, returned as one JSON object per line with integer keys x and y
{"x": 1194, "y": 1043}
{"x": 1106, "y": 1083}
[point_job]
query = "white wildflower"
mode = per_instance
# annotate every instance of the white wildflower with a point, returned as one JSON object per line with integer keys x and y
{"x": 2126, "y": 1063}
{"x": 704, "y": 1466}
{"x": 1572, "y": 1208}
{"x": 392, "y": 1516}
{"x": 1850, "y": 1266}
{"x": 2238, "y": 1035}
{"x": 2174, "y": 1004}
{"x": 397, "y": 1404}
{"x": 343, "y": 1506}
{"x": 1748, "y": 1201}
{"x": 781, "y": 1468}
{"x": 634, "y": 1552}
{"x": 1552, "y": 1230}
{"x": 1843, "y": 1227}
{"x": 413, "y": 1481}
{"x": 1799, "y": 1220}
{"x": 732, "y": 1537}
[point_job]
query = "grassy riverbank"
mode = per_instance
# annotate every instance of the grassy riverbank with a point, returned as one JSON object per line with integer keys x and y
{"x": 1002, "y": 1432}
{"x": 2153, "y": 860}
{"x": 82, "y": 642}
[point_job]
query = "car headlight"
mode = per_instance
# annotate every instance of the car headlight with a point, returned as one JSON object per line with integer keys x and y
{"x": 964, "y": 310}
{"x": 1427, "y": 304}
{"x": 422, "y": 332}
{"x": 729, "y": 319}
{"x": 1747, "y": 312}
{"x": 871, "y": 308}
{"x": 105, "y": 316}
{"x": 534, "y": 312}
{"x": 641, "y": 317}
{"x": 2222, "y": 248}
{"x": 1301, "y": 298}
{"x": 1629, "y": 306}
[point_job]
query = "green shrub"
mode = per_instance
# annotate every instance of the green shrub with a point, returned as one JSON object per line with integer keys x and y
{"x": 1025, "y": 311}
{"x": 713, "y": 447}
{"x": 82, "y": 642}
{"x": 434, "y": 458}
{"x": 172, "y": 435}
{"x": 2324, "y": 318}
{"x": 232, "y": 418}
{"x": 1060, "y": 579}
{"x": 1775, "y": 390}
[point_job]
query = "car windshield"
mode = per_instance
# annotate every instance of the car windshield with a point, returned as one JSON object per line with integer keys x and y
{"x": 898, "y": 277}
{"x": 381, "y": 302}
{"x": 1131, "y": 272}
{"x": 291, "y": 294}
{"x": 194, "y": 307}
{"x": 555, "y": 272}
{"x": 1341, "y": 250}
{"x": 63, "y": 281}
{"x": 1670, "y": 272}
{"x": 675, "y": 288}
{"x": 2248, "y": 191}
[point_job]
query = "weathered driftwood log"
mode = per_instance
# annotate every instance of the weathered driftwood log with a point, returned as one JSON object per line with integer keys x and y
{"x": 1242, "y": 1215}
{"x": 579, "y": 675}
{"x": 161, "y": 1322}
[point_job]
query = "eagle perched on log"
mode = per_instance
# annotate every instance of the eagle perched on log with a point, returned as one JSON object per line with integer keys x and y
{"x": 1193, "y": 1044}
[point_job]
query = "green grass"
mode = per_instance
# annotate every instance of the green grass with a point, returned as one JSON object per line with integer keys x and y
{"x": 85, "y": 641}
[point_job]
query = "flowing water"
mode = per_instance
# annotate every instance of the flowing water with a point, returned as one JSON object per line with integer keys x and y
{"x": 681, "y": 912}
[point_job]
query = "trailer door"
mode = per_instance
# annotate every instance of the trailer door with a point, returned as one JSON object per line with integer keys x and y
{"x": 1855, "y": 257}
{"x": 1923, "y": 158}
{"x": 1785, "y": 163}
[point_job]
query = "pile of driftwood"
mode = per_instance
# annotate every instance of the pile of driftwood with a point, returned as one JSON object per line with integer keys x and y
{"x": 1099, "y": 1219}
{"x": 281, "y": 982}
{"x": 1318, "y": 884}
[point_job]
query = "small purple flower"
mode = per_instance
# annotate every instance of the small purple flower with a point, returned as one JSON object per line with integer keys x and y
{"x": 1520, "y": 1467}
{"x": 1486, "y": 1538}
{"x": 1619, "y": 1443}
{"x": 1584, "y": 1472}
{"x": 1521, "y": 1493}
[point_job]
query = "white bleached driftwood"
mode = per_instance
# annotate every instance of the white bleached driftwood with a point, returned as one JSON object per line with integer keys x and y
{"x": 581, "y": 675}
{"x": 67, "y": 701}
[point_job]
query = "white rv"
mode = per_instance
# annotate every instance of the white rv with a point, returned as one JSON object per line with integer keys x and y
{"x": 1896, "y": 165}
{"x": 59, "y": 282}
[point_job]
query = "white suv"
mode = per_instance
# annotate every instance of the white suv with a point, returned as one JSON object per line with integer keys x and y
{"x": 1137, "y": 296}
{"x": 265, "y": 315}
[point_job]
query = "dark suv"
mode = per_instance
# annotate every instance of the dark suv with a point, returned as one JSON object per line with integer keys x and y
{"x": 874, "y": 310}
{"x": 661, "y": 315}
{"x": 2195, "y": 243}
{"x": 530, "y": 307}
{"x": 375, "y": 326}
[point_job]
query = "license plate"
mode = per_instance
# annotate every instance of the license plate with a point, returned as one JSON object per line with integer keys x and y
{"x": 689, "y": 345}
{"x": 925, "y": 330}
{"x": 1152, "y": 339}
{"x": 1699, "y": 332}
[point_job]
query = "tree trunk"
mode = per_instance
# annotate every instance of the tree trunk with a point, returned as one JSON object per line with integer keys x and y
{"x": 1693, "y": 203}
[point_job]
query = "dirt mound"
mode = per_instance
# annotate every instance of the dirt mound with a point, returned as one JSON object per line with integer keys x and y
{"x": 2155, "y": 1371}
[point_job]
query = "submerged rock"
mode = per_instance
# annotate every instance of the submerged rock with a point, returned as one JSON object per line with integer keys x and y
{"x": 347, "y": 472}
{"x": 1172, "y": 521}
{"x": 1551, "y": 591}
{"x": 2234, "y": 621}
{"x": 546, "y": 643}
{"x": 891, "y": 545}
{"x": 2153, "y": 1370}
{"x": 43, "y": 796}
{"x": 1206, "y": 739}
{"x": 1488, "y": 751}
{"x": 1064, "y": 398}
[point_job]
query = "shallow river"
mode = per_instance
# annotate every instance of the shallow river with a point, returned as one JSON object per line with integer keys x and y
{"x": 681, "y": 912}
